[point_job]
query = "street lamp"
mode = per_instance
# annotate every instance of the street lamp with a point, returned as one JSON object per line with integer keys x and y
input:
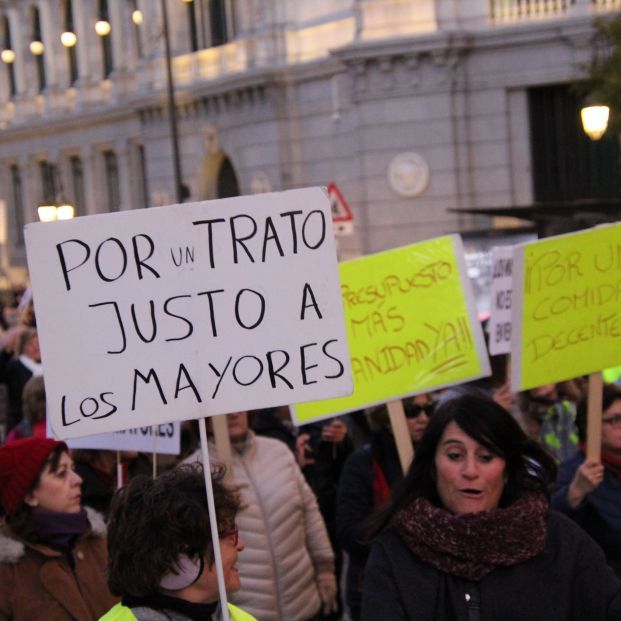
{"x": 181, "y": 191}
{"x": 68, "y": 38}
{"x": 37, "y": 48}
{"x": 7, "y": 56}
{"x": 595, "y": 120}
{"x": 103, "y": 28}
{"x": 62, "y": 209}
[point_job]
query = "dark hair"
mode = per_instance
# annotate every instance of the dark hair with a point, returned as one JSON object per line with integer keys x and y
{"x": 528, "y": 466}
{"x": 610, "y": 394}
{"x": 20, "y": 521}
{"x": 153, "y": 522}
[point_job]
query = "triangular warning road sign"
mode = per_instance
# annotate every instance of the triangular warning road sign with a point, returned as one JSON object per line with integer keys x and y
{"x": 340, "y": 209}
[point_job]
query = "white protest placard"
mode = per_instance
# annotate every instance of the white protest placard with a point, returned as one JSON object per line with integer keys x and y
{"x": 167, "y": 440}
{"x": 179, "y": 312}
{"x": 500, "y": 300}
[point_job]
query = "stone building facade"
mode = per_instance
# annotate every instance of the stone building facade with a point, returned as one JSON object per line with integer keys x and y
{"x": 417, "y": 109}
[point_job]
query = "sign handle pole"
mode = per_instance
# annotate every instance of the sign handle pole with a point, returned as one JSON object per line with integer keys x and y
{"x": 222, "y": 440}
{"x": 213, "y": 522}
{"x": 594, "y": 416}
{"x": 401, "y": 433}
{"x": 119, "y": 471}
{"x": 154, "y": 450}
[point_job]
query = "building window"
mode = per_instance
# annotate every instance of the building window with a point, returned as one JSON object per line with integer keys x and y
{"x": 106, "y": 42}
{"x": 49, "y": 187}
{"x": 192, "y": 26}
{"x": 18, "y": 205}
{"x": 227, "y": 180}
{"x": 72, "y": 58}
{"x": 112, "y": 180}
{"x": 567, "y": 165}
{"x": 220, "y": 22}
{"x": 7, "y": 45}
{"x": 38, "y": 51}
{"x": 142, "y": 169}
{"x": 77, "y": 179}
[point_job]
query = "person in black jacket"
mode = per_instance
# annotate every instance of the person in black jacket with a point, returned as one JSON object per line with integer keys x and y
{"x": 469, "y": 535}
{"x": 16, "y": 369}
{"x": 589, "y": 490}
{"x": 367, "y": 478}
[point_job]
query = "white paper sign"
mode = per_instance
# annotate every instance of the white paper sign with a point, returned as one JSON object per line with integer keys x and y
{"x": 164, "y": 438}
{"x": 179, "y": 312}
{"x": 500, "y": 303}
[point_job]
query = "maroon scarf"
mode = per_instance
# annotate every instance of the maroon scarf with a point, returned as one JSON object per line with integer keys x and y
{"x": 474, "y": 544}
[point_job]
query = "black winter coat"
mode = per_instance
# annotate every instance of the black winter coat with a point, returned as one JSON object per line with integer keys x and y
{"x": 354, "y": 505}
{"x": 569, "y": 581}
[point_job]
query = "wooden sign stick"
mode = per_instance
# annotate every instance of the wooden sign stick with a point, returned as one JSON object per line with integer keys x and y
{"x": 154, "y": 450}
{"x": 401, "y": 433}
{"x": 594, "y": 417}
{"x": 222, "y": 440}
{"x": 119, "y": 471}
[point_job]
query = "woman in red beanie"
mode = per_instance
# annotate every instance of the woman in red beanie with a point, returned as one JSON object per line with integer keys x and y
{"x": 52, "y": 551}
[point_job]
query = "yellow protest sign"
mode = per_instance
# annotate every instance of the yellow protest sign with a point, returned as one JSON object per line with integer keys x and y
{"x": 411, "y": 326}
{"x": 567, "y": 309}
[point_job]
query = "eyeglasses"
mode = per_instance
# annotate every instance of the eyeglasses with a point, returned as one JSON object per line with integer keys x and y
{"x": 613, "y": 421}
{"x": 412, "y": 410}
{"x": 232, "y": 534}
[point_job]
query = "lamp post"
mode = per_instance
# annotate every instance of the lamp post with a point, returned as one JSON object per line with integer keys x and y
{"x": 595, "y": 120}
{"x": 180, "y": 189}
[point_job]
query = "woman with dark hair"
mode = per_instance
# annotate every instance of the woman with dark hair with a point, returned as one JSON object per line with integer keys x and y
{"x": 161, "y": 556}
{"x": 52, "y": 551}
{"x": 588, "y": 490}
{"x": 469, "y": 535}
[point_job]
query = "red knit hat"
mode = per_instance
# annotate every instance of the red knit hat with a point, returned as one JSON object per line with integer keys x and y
{"x": 20, "y": 464}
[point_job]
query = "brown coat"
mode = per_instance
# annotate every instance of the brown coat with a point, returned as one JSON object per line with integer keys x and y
{"x": 38, "y": 584}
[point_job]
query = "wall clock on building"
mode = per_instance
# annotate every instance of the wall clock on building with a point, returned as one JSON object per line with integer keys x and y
{"x": 408, "y": 174}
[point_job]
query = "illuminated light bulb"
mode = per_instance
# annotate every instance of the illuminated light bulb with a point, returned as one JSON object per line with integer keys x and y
{"x": 8, "y": 56}
{"x": 47, "y": 213}
{"x": 64, "y": 212}
{"x": 595, "y": 121}
{"x": 68, "y": 39}
{"x": 37, "y": 48}
{"x": 137, "y": 17}
{"x": 102, "y": 28}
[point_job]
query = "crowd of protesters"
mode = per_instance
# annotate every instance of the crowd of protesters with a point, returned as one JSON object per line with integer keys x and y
{"x": 499, "y": 516}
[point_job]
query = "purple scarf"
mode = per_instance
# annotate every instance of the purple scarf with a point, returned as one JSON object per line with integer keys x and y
{"x": 474, "y": 544}
{"x": 60, "y": 530}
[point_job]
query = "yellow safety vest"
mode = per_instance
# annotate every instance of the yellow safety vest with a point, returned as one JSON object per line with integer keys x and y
{"x": 123, "y": 613}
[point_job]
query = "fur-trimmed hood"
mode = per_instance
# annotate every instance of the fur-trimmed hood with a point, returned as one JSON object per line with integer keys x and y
{"x": 12, "y": 549}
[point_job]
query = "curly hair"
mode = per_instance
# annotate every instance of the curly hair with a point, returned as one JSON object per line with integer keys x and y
{"x": 153, "y": 522}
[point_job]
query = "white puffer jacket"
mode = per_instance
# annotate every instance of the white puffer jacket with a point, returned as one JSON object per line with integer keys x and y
{"x": 287, "y": 545}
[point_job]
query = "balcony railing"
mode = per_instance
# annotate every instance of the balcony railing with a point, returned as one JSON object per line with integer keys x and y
{"x": 507, "y": 11}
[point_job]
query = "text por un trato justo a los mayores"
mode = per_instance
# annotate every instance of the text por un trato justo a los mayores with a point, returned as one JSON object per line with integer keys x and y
{"x": 208, "y": 315}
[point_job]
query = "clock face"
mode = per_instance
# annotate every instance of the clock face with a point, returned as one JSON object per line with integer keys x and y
{"x": 408, "y": 174}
